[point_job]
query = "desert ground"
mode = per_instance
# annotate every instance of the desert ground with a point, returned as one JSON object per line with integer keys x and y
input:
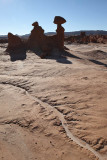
{"x": 54, "y": 108}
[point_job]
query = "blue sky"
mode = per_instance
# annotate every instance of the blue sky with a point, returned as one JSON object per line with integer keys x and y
{"x": 16, "y": 16}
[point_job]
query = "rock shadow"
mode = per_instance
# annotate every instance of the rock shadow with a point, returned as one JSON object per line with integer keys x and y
{"x": 62, "y": 58}
{"x": 68, "y": 54}
{"x": 98, "y": 62}
{"x": 18, "y": 54}
{"x": 37, "y": 52}
{"x": 57, "y": 55}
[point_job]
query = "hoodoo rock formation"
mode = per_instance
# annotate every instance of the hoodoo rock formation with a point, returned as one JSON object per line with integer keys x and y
{"x": 14, "y": 42}
{"x": 39, "y": 41}
{"x": 60, "y": 31}
{"x": 16, "y": 47}
{"x": 36, "y": 38}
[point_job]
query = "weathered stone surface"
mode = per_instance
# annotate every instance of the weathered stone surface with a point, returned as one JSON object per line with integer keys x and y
{"x": 36, "y": 38}
{"x": 60, "y": 31}
{"x": 60, "y": 37}
{"x": 35, "y": 24}
{"x": 59, "y": 20}
{"x": 14, "y": 42}
{"x": 30, "y": 128}
{"x": 16, "y": 47}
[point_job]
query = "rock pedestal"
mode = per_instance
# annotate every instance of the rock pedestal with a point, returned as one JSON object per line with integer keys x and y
{"x": 60, "y": 37}
{"x": 60, "y": 31}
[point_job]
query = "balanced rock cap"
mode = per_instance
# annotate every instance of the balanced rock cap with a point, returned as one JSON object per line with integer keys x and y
{"x": 59, "y": 20}
{"x": 35, "y": 24}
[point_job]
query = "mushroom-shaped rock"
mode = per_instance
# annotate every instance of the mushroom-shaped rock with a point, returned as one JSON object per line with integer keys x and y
{"x": 59, "y": 20}
{"x": 35, "y": 24}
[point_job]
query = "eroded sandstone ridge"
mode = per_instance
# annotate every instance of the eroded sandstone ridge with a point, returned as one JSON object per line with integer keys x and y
{"x": 38, "y": 40}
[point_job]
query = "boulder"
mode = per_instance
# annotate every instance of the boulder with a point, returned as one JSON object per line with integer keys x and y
{"x": 59, "y": 20}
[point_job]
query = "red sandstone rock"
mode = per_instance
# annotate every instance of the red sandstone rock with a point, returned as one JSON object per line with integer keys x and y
{"x": 87, "y": 39}
{"x": 60, "y": 37}
{"x": 14, "y": 42}
{"x": 35, "y": 24}
{"x": 60, "y": 31}
{"x": 59, "y": 20}
{"x": 36, "y": 38}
